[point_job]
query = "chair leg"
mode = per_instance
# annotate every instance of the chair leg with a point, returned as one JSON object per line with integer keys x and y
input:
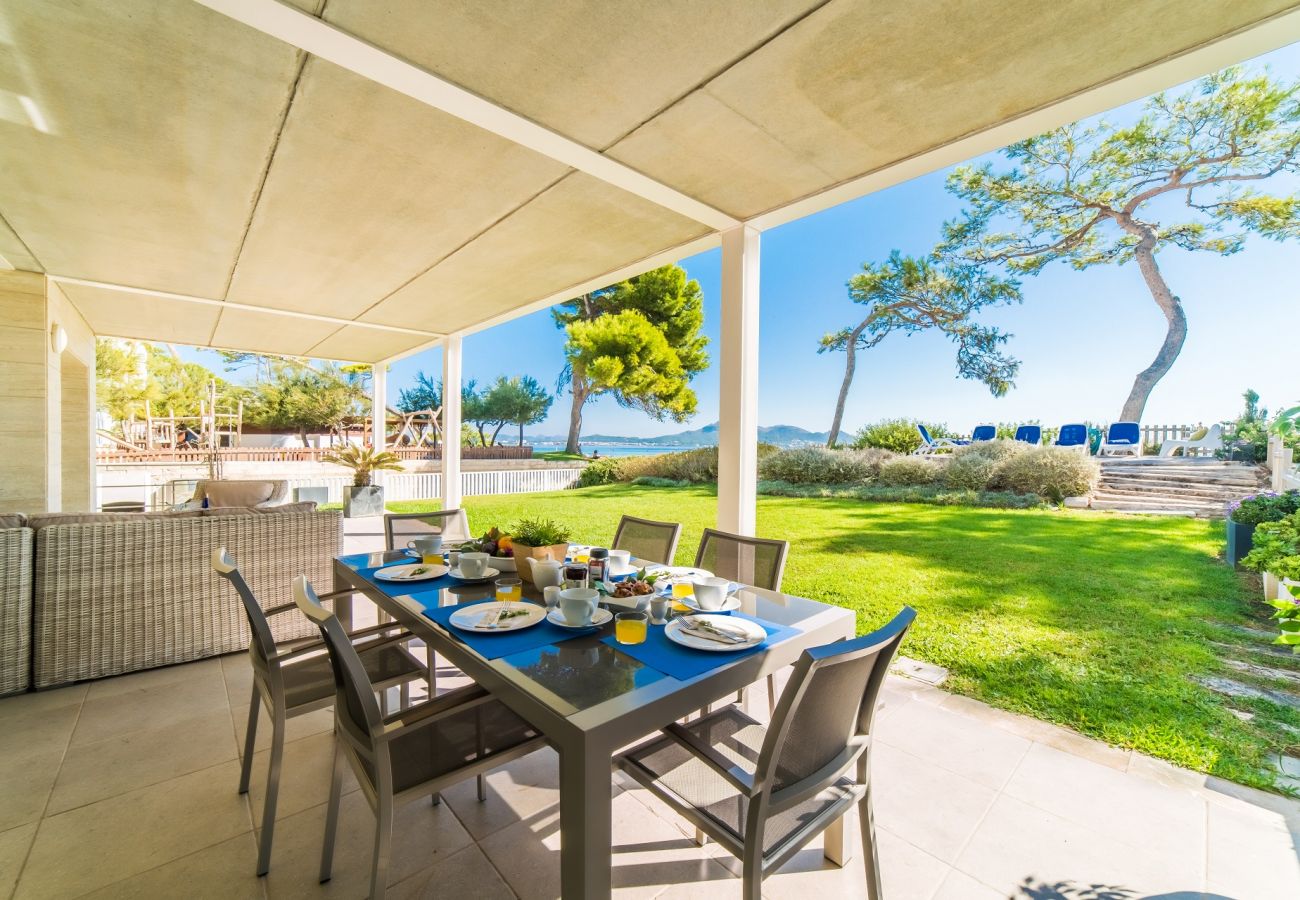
{"x": 272, "y": 792}
{"x": 771, "y": 694}
{"x": 482, "y": 788}
{"x": 835, "y": 847}
{"x": 701, "y": 838}
{"x": 383, "y": 846}
{"x": 870, "y": 859}
{"x": 332, "y": 814}
{"x": 404, "y": 696}
{"x": 250, "y": 740}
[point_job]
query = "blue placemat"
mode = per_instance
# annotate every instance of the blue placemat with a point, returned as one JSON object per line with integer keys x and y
{"x": 685, "y": 662}
{"x": 395, "y": 588}
{"x": 494, "y": 645}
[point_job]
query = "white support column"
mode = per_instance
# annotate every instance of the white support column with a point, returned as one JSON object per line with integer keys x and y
{"x": 379, "y": 405}
{"x": 738, "y": 383}
{"x": 451, "y": 422}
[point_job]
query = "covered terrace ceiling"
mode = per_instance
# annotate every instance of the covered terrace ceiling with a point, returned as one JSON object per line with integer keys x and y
{"x": 227, "y": 176}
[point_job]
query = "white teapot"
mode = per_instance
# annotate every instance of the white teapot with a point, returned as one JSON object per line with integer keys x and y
{"x": 546, "y": 572}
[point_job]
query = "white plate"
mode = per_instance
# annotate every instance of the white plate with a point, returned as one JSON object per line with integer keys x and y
{"x": 400, "y": 573}
{"x": 489, "y": 573}
{"x": 467, "y": 619}
{"x": 674, "y": 574}
{"x": 600, "y": 617}
{"x": 673, "y": 631}
{"x": 732, "y": 602}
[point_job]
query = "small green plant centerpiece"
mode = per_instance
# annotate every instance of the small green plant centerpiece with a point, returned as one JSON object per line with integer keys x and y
{"x": 363, "y": 498}
{"x": 1246, "y": 514}
{"x": 538, "y": 539}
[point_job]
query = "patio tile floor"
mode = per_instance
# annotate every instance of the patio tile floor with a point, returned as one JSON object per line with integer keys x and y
{"x": 127, "y": 788}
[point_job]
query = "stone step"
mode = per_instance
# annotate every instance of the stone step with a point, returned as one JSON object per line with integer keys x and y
{"x": 1138, "y": 487}
{"x": 1248, "y": 473}
{"x": 1158, "y": 499}
{"x": 1178, "y": 478}
{"x": 1149, "y": 509}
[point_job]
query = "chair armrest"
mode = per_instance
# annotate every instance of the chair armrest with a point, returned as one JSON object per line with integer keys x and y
{"x": 737, "y": 777}
{"x": 407, "y": 720}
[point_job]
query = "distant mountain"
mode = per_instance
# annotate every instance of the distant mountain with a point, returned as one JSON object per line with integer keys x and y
{"x": 781, "y": 435}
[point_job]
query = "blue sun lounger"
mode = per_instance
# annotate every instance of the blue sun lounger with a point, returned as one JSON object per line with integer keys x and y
{"x": 984, "y": 433}
{"x": 933, "y": 445}
{"x": 1074, "y": 435}
{"x": 1122, "y": 437}
{"x": 1030, "y": 434}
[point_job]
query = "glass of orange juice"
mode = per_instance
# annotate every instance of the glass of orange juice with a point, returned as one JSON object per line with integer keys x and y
{"x": 629, "y": 627}
{"x": 509, "y": 589}
{"x": 682, "y": 589}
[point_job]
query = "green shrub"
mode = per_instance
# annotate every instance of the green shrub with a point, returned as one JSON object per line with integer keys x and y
{"x": 656, "y": 481}
{"x": 994, "y": 451}
{"x": 601, "y": 471}
{"x": 910, "y": 471}
{"x": 1051, "y": 472}
{"x": 934, "y": 496}
{"x": 695, "y": 466}
{"x": 817, "y": 465}
{"x": 1276, "y": 548}
{"x": 970, "y": 472}
{"x": 898, "y": 435}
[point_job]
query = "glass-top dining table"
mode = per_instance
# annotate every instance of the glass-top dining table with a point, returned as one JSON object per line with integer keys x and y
{"x": 589, "y": 695}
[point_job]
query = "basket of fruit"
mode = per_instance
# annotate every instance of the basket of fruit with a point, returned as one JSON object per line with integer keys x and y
{"x": 496, "y": 545}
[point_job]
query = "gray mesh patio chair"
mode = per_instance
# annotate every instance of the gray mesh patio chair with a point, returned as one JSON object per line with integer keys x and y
{"x": 759, "y": 562}
{"x": 647, "y": 539}
{"x": 296, "y": 679}
{"x": 413, "y": 753}
{"x": 452, "y": 524}
{"x": 764, "y": 793}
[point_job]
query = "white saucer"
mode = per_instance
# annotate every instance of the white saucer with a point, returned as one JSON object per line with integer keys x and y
{"x": 468, "y": 618}
{"x": 400, "y": 573}
{"x": 732, "y": 602}
{"x": 598, "y": 618}
{"x": 755, "y": 633}
{"x": 487, "y": 575}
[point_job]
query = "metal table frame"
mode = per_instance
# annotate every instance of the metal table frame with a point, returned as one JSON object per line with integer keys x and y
{"x": 587, "y": 739}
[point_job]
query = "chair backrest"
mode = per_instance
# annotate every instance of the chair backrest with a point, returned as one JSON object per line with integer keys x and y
{"x": 355, "y": 710}
{"x": 262, "y": 644}
{"x": 647, "y": 539}
{"x": 1213, "y": 437}
{"x": 1030, "y": 434}
{"x": 754, "y": 561}
{"x": 825, "y": 712}
{"x": 452, "y": 524}
{"x": 1124, "y": 433}
{"x": 925, "y": 434}
{"x": 1073, "y": 435}
{"x": 984, "y": 433}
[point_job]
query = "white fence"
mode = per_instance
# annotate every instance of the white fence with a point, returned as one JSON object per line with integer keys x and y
{"x": 397, "y": 485}
{"x": 1158, "y": 434}
{"x": 1281, "y": 465}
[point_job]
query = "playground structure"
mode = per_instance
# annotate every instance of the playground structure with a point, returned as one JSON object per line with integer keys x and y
{"x": 211, "y": 429}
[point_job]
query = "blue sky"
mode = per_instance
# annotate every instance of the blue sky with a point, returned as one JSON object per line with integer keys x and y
{"x": 1081, "y": 336}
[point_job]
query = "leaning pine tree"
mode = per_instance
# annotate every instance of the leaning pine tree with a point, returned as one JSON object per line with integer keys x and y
{"x": 1107, "y": 194}
{"x": 910, "y": 294}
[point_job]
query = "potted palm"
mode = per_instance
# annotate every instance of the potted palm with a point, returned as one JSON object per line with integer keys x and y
{"x": 538, "y": 539}
{"x": 363, "y": 498}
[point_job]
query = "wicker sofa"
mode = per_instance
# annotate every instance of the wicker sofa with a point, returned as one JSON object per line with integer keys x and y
{"x": 15, "y": 604}
{"x": 114, "y": 593}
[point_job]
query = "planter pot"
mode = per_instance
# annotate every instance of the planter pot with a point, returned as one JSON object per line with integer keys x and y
{"x": 1239, "y": 542}
{"x": 522, "y": 552}
{"x": 1271, "y": 586}
{"x": 363, "y": 500}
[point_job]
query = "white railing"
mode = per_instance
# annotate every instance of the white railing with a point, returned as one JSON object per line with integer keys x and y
{"x": 1158, "y": 434}
{"x": 1284, "y": 474}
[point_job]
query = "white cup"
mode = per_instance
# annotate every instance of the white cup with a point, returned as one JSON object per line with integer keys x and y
{"x": 578, "y": 605}
{"x": 473, "y": 565}
{"x": 711, "y": 593}
{"x": 620, "y": 561}
{"x": 551, "y": 594}
{"x": 428, "y": 545}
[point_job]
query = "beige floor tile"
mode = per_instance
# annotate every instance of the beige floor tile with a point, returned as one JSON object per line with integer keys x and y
{"x": 906, "y": 872}
{"x": 223, "y": 871}
{"x": 96, "y": 845}
{"x": 33, "y": 729}
{"x": 465, "y": 873}
{"x": 1238, "y": 838}
{"x": 930, "y": 807}
{"x": 1020, "y": 848}
{"x": 304, "y": 777}
{"x": 154, "y": 705}
{"x": 516, "y": 791}
{"x": 1167, "y": 822}
{"x": 422, "y": 835}
{"x": 955, "y": 742}
{"x": 42, "y": 701}
{"x": 14, "y": 845}
{"x": 297, "y": 728}
{"x": 204, "y": 670}
{"x": 26, "y": 780}
{"x": 93, "y": 771}
{"x": 238, "y": 675}
{"x": 649, "y": 855}
{"x": 960, "y": 886}
{"x": 1164, "y": 773}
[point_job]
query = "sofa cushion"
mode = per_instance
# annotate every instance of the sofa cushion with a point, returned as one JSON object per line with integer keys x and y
{"x": 305, "y": 506}
{"x": 13, "y": 520}
{"x": 86, "y": 518}
{"x": 238, "y": 493}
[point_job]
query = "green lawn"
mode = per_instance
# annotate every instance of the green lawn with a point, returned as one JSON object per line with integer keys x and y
{"x": 560, "y": 456}
{"x": 1096, "y": 622}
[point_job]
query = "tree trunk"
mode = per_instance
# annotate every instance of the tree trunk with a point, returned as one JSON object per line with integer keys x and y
{"x": 521, "y": 434}
{"x": 1170, "y": 305}
{"x": 579, "y": 391}
{"x": 850, "y": 364}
